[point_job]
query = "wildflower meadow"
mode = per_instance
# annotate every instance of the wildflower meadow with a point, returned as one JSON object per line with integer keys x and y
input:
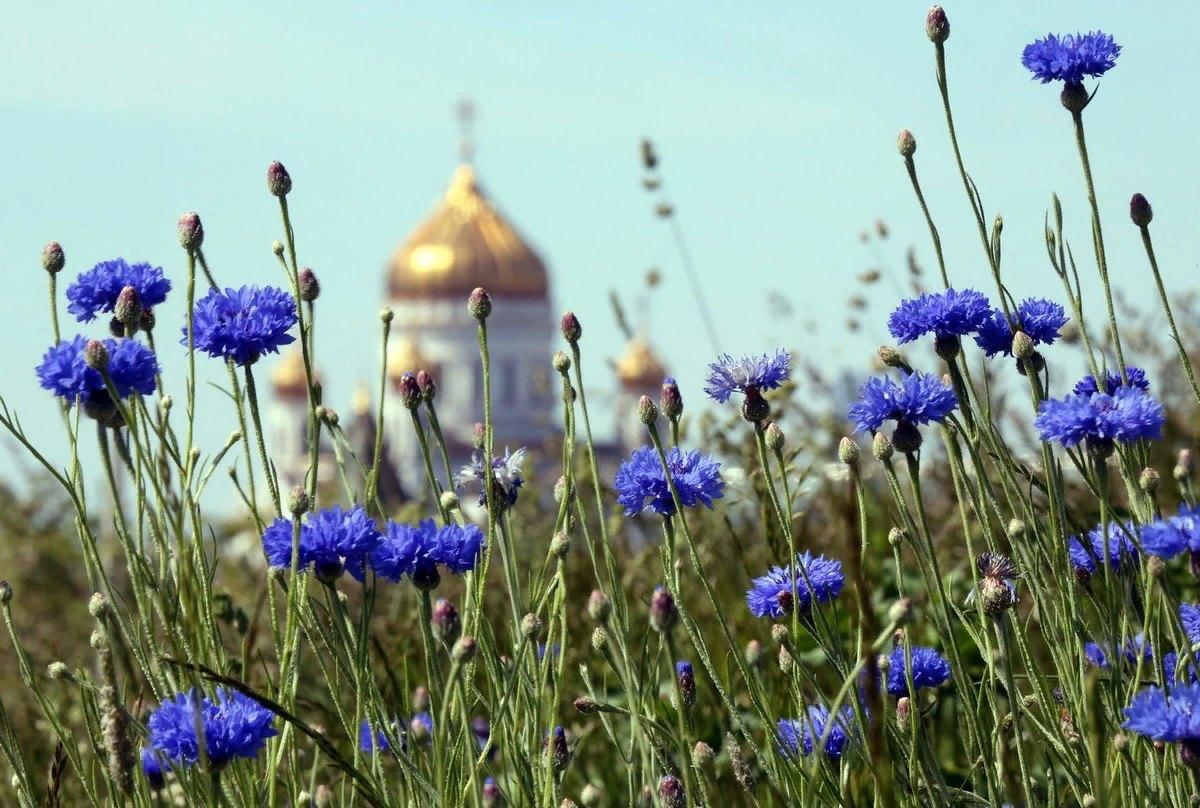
{"x": 973, "y": 586}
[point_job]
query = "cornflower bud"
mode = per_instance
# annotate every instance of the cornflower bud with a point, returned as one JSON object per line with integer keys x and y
{"x": 571, "y": 329}
{"x": 478, "y": 435}
{"x": 6, "y": 593}
{"x": 445, "y": 621}
{"x": 560, "y": 752}
{"x": 1022, "y": 346}
{"x": 310, "y": 287}
{"x": 328, "y": 416}
{"x": 671, "y": 400}
{"x": 774, "y": 437}
{"x": 464, "y": 650}
{"x": 1148, "y": 481}
{"x": 848, "y": 452}
{"x": 670, "y": 791}
{"x": 663, "y": 613}
{"x": 559, "y": 545}
{"x": 277, "y": 248}
{"x": 191, "y": 231}
{"x": 491, "y": 796}
{"x": 59, "y": 670}
{"x": 881, "y": 447}
{"x": 647, "y": 412}
{"x": 299, "y": 502}
{"x": 906, "y": 144}
{"x": 279, "y": 182}
{"x": 599, "y": 607}
{"x": 937, "y": 27}
{"x": 449, "y": 500}
{"x": 1156, "y": 566}
{"x": 479, "y": 304}
{"x": 567, "y": 802}
{"x": 426, "y": 385}
{"x": 1185, "y": 466}
{"x": 323, "y": 796}
{"x": 420, "y": 699}
{"x": 386, "y": 315}
{"x": 599, "y": 640}
{"x": 585, "y": 705}
{"x": 561, "y": 489}
{"x": 892, "y": 358}
{"x": 702, "y": 755}
{"x": 786, "y": 662}
{"x": 1140, "y": 210}
{"x": 95, "y": 355}
{"x": 591, "y": 796}
{"x": 686, "y": 678}
{"x": 896, "y": 535}
{"x": 780, "y": 634}
{"x": 901, "y": 612}
{"x": 561, "y": 362}
{"x": 98, "y": 639}
{"x": 98, "y": 606}
{"x": 410, "y": 393}
{"x": 531, "y": 627}
{"x": 418, "y": 730}
{"x": 903, "y": 707}
{"x": 53, "y": 258}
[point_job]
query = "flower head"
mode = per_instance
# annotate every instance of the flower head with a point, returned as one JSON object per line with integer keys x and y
{"x": 1086, "y": 552}
{"x": 928, "y": 668}
{"x": 944, "y": 314}
{"x": 243, "y": 324}
{"x": 1041, "y": 320}
{"x": 1124, "y": 416}
{"x": 506, "y": 476}
{"x": 641, "y": 481}
{"x": 1070, "y": 57}
{"x": 1189, "y": 617}
{"x": 801, "y": 734}
{"x": 727, "y": 375}
{"x": 918, "y": 398}
{"x": 777, "y": 593}
{"x": 331, "y": 540}
{"x": 96, "y": 290}
{"x": 233, "y": 725}
{"x": 1129, "y": 653}
{"x": 131, "y": 366}
{"x": 1134, "y": 377}
{"x": 1171, "y": 715}
{"x": 417, "y": 550}
{"x": 1172, "y": 535}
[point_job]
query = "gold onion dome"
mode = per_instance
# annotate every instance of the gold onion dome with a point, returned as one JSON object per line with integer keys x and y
{"x": 288, "y": 376}
{"x": 463, "y": 244}
{"x": 405, "y": 356}
{"x": 639, "y": 368}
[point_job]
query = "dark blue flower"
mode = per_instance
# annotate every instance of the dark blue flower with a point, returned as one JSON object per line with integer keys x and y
{"x": 929, "y": 669}
{"x": 1136, "y": 377}
{"x": 330, "y": 540}
{"x": 1122, "y": 552}
{"x": 1171, "y": 535}
{"x": 641, "y": 481}
{"x": 131, "y": 366}
{"x": 727, "y": 375}
{"x": 775, "y": 594}
{"x": 945, "y": 314}
{"x": 243, "y": 324}
{"x": 153, "y": 767}
{"x": 1189, "y": 617}
{"x": 370, "y": 740}
{"x": 1172, "y": 716}
{"x": 1070, "y": 57}
{"x": 506, "y": 477}
{"x": 1041, "y": 320}
{"x": 801, "y": 734}
{"x": 918, "y": 398}
{"x": 459, "y": 547}
{"x": 1130, "y": 652}
{"x": 417, "y": 550}
{"x": 233, "y": 725}
{"x": 1100, "y": 418}
{"x": 96, "y": 290}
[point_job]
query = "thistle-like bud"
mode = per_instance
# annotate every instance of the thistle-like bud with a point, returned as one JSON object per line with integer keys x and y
{"x": 647, "y": 412}
{"x": 1140, "y": 210}
{"x": 53, "y": 258}
{"x": 1185, "y": 466}
{"x": 310, "y": 287}
{"x": 881, "y": 447}
{"x": 464, "y": 650}
{"x": 702, "y": 755}
{"x": 328, "y": 416}
{"x": 299, "y": 502}
{"x": 410, "y": 393}
{"x": 585, "y": 705}
{"x": 1075, "y": 97}
{"x": 479, "y": 304}
{"x": 995, "y": 594}
{"x": 1148, "y": 480}
{"x": 191, "y": 231}
{"x": 571, "y": 329}
{"x": 671, "y": 400}
{"x": 478, "y": 435}
{"x": 848, "y": 452}
{"x": 1022, "y": 345}
{"x": 531, "y": 627}
{"x": 937, "y": 27}
{"x": 449, "y": 500}
{"x": 426, "y": 385}
{"x": 599, "y": 640}
{"x": 906, "y": 144}
{"x": 561, "y": 362}
{"x": 780, "y": 633}
{"x": 277, "y": 248}
{"x": 95, "y": 354}
{"x": 670, "y": 792}
{"x": 279, "y": 182}
{"x": 663, "y": 613}
{"x": 686, "y": 678}
{"x": 890, "y": 357}
{"x": 559, "y": 545}
{"x": 445, "y": 621}
{"x": 906, "y": 438}
{"x": 560, "y": 752}
{"x": 774, "y": 437}
{"x": 99, "y": 607}
{"x": 599, "y": 607}
{"x": 895, "y": 536}
{"x": 420, "y": 699}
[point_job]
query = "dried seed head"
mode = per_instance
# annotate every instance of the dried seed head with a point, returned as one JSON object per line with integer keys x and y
{"x": 738, "y": 763}
{"x": 599, "y": 640}
{"x": 58, "y": 670}
{"x": 98, "y": 606}
{"x": 895, "y": 536}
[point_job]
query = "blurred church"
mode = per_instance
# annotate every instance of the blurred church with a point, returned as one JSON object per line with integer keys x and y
{"x": 464, "y": 243}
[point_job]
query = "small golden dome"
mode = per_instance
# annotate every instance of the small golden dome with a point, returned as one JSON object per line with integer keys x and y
{"x": 463, "y": 244}
{"x": 639, "y": 368}
{"x": 361, "y": 403}
{"x": 404, "y": 356}
{"x": 288, "y": 376}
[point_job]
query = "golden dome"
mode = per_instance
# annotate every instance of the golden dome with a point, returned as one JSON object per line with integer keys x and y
{"x": 639, "y": 368}
{"x": 288, "y": 376}
{"x": 404, "y": 356}
{"x": 463, "y": 244}
{"x": 361, "y": 403}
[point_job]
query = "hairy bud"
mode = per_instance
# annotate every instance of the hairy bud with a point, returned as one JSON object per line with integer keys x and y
{"x": 53, "y": 258}
{"x": 479, "y": 304}
{"x": 937, "y": 27}
{"x": 906, "y": 144}
{"x": 279, "y": 182}
{"x": 571, "y": 329}
{"x": 1140, "y": 210}
{"x": 310, "y": 287}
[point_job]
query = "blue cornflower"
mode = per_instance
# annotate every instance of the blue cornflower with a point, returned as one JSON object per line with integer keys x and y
{"x": 371, "y": 740}
{"x": 929, "y": 669}
{"x": 153, "y": 767}
{"x": 1100, "y": 419}
{"x": 1039, "y": 319}
{"x": 506, "y": 477}
{"x": 1136, "y": 377}
{"x": 97, "y": 289}
{"x": 1129, "y": 652}
{"x": 1172, "y": 716}
{"x": 1070, "y": 57}
{"x": 775, "y": 594}
{"x": 747, "y": 375}
{"x": 233, "y": 725}
{"x": 1189, "y": 617}
{"x": 800, "y": 734}
{"x": 417, "y": 550}
{"x": 331, "y": 540}
{"x": 1171, "y": 535}
{"x": 918, "y": 398}
{"x": 947, "y": 315}
{"x": 641, "y": 481}
{"x": 243, "y": 324}
{"x": 131, "y": 366}
{"x": 1086, "y": 552}
{"x": 1170, "y": 662}
{"x": 459, "y": 547}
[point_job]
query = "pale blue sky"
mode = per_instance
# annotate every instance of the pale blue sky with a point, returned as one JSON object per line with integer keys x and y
{"x": 776, "y": 121}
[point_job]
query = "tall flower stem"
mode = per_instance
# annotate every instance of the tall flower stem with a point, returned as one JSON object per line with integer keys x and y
{"x": 911, "y": 167}
{"x": 1184, "y": 360}
{"x": 256, "y": 417}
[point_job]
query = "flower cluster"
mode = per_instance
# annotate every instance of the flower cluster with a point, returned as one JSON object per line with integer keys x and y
{"x": 417, "y": 550}
{"x": 1086, "y": 553}
{"x": 1039, "y": 319}
{"x": 816, "y": 579}
{"x": 1100, "y": 419}
{"x": 802, "y": 734}
{"x": 946, "y": 315}
{"x": 243, "y": 324}
{"x": 927, "y": 667}
{"x": 1070, "y": 57}
{"x": 131, "y": 366}
{"x": 506, "y": 477}
{"x": 641, "y": 481}
{"x": 96, "y": 290}
{"x": 331, "y": 540}
{"x": 232, "y": 724}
